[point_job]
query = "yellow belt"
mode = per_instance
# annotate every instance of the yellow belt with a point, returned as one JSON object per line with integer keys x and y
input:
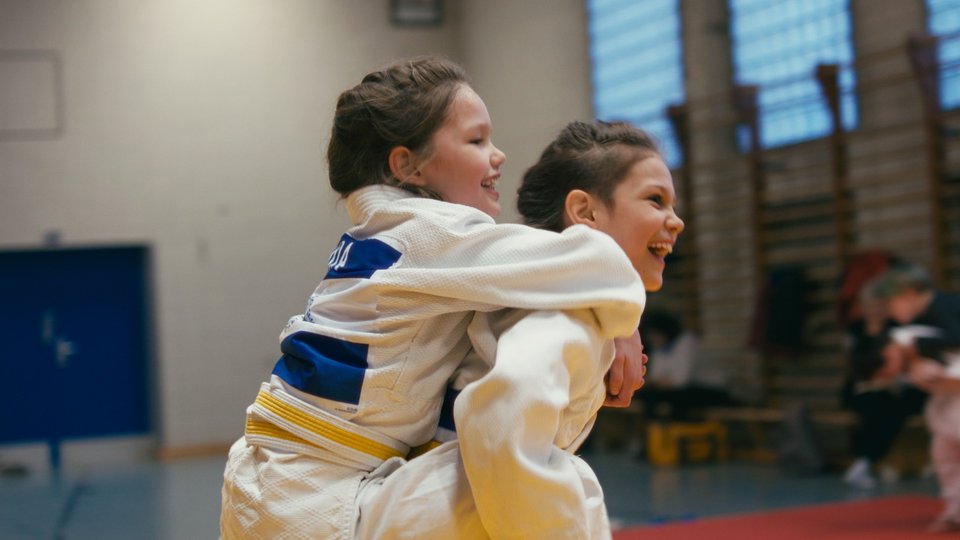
{"x": 282, "y": 420}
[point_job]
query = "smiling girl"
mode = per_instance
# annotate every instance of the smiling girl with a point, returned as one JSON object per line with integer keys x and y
{"x": 533, "y": 383}
{"x": 607, "y": 177}
{"x": 364, "y": 369}
{"x": 612, "y": 178}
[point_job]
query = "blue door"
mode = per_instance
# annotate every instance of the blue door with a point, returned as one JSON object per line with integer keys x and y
{"x": 73, "y": 344}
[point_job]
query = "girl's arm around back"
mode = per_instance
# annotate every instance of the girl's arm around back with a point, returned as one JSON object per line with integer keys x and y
{"x": 518, "y": 425}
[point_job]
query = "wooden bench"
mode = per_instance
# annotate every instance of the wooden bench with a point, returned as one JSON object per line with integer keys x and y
{"x": 758, "y": 421}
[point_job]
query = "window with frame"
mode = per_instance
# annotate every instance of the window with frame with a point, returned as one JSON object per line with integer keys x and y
{"x": 777, "y": 45}
{"x": 636, "y": 52}
{"x": 943, "y": 20}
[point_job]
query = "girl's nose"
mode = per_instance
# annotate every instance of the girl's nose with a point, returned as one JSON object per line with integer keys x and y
{"x": 674, "y": 223}
{"x": 498, "y": 157}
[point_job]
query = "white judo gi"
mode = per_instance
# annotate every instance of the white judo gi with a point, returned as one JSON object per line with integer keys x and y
{"x": 512, "y": 472}
{"x": 364, "y": 370}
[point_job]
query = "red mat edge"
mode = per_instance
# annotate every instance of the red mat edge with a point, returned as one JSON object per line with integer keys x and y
{"x": 676, "y": 529}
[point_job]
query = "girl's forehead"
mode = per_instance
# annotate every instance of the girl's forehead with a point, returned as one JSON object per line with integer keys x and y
{"x": 466, "y": 97}
{"x": 467, "y": 109}
{"x": 650, "y": 171}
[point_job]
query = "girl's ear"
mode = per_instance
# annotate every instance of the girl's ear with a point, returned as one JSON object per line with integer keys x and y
{"x": 403, "y": 165}
{"x": 580, "y": 207}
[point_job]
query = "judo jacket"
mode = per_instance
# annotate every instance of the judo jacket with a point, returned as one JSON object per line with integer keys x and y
{"x": 364, "y": 369}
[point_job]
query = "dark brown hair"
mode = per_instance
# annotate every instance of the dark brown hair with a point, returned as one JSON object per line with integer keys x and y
{"x": 403, "y": 104}
{"x": 592, "y": 156}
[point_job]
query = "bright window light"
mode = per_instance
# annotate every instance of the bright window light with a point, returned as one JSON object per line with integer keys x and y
{"x": 637, "y": 65}
{"x": 944, "y": 21}
{"x": 777, "y": 45}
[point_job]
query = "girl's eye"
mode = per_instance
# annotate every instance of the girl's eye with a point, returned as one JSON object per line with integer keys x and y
{"x": 476, "y": 141}
{"x": 656, "y": 199}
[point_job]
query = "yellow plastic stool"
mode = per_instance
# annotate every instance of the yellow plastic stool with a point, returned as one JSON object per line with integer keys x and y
{"x": 672, "y": 443}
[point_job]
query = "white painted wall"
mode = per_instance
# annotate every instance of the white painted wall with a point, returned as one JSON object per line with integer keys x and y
{"x": 198, "y": 128}
{"x": 529, "y": 61}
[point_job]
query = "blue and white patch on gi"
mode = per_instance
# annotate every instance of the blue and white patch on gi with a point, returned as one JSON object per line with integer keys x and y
{"x": 328, "y": 367}
{"x": 323, "y": 366}
{"x": 354, "y": 258}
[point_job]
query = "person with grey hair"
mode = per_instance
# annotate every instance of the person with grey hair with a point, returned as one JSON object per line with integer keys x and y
{"x": 930, "y": 342}
{"x": 875, "y": 389}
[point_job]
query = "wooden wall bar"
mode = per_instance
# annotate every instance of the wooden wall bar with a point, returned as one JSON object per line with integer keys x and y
{"x": 892, "y": 183}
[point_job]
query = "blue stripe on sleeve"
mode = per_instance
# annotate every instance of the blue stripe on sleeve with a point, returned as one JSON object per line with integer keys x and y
{"x": 323, "y": 366}
{"x": 360, "y": 258}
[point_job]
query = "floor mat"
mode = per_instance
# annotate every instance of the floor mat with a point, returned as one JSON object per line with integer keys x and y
{"x": 899, "y": 517}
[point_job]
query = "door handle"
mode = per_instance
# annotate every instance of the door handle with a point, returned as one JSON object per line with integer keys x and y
{"x": 64, "y": 349}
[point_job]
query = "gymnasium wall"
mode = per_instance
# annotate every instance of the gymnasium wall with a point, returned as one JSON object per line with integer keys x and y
{"x": 198, "y": 129}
